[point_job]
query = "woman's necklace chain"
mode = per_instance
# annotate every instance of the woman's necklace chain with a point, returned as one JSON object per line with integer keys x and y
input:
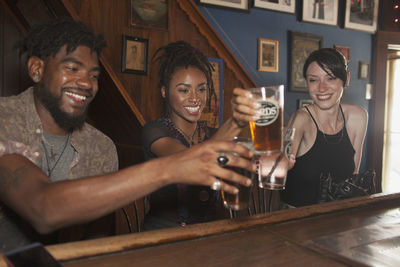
{"x": 53, "y": 155}
{"x": 188, "y": 138}
{"x": 325, "y": 137}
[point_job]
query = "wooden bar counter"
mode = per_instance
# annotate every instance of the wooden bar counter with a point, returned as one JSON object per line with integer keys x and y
{"x": 362, "y": 231}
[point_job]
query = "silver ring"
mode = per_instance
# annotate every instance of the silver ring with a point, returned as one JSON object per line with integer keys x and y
{"x": 216, "y": 185}
{"x": 222, "y": 160}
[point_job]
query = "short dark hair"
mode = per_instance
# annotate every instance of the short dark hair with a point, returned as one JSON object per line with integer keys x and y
{"x": 45, "y": 40}
{"x": 329, "y": 59}
{"x": 181, "y": 54}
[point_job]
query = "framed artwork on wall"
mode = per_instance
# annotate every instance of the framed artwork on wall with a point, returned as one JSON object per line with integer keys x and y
{"x": 363, "y": 70}
{"x": 287, "y": 6}
{"x": 321, "y": 11}
{"x": 242, "y": 5}
{"x": 361, "y": 15}
{"x": 213, "y": 114}
{"x": 302, "y": 44}
{"x": 149, "y": 14}
{"x": 134, "y": 54}
{"x": 268, "y": 55}
{"x": 345, "y": 50}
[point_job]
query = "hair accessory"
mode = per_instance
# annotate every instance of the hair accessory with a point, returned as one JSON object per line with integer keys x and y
{"x": 222, "y": 160}
{"x": 216, "y": 185}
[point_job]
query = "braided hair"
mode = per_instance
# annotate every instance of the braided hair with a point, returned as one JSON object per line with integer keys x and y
{"x": 181, "y": 54}
{"x": 46, "y": 40}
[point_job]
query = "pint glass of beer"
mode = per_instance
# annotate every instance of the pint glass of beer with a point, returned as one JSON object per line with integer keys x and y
{"x": 240, "y": 200}
{"x": 266, "y": 132}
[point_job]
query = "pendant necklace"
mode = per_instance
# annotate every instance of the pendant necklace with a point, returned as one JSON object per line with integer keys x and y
{"x": 53, "y": 155}
{"x": 188, "y": 138}
{"x": 335, "y": 135}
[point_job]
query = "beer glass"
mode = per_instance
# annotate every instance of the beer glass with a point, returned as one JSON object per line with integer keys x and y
{"x": 240, "y": 200}
{"x": 266, "y": 132}
{"x": 272, "y": 171}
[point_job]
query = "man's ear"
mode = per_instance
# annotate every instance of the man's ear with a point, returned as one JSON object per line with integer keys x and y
{"x": 163, "y": 92}
{"x": 35, "y": 68}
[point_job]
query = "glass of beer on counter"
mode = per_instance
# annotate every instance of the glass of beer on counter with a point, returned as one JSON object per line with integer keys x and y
{"x": 266, "y": 132}
{"x": 240, "y": 200}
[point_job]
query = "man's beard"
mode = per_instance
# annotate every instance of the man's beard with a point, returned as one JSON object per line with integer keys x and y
{"x": 53, "y": 104}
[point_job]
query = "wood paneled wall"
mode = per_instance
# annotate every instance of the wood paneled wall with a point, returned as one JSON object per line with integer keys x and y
{"x": 112, "y": 18}
{"x": 13, "y": 75}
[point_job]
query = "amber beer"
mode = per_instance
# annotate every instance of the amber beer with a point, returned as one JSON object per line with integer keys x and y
{"x": 266, "y": 131}
{"x": 240, "y": 200}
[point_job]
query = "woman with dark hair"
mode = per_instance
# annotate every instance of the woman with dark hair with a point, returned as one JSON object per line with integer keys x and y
{"x": 329, "y": 136}
{"x": 187, "y": 88}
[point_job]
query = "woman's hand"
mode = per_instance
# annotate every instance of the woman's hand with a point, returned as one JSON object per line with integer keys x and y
{"x": 244, "y": 107}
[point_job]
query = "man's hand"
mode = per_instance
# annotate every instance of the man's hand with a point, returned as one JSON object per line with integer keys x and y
{"x": 198, "y": 165}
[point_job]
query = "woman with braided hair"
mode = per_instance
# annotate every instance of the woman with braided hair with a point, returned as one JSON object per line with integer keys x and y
{"x": 187, "y": 88}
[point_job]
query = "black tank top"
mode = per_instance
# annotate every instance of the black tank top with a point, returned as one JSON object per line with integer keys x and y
{"x": 332, "y": 154}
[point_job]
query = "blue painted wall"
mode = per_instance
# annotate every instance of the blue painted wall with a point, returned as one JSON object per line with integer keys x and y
{"x": 241, "y": 31}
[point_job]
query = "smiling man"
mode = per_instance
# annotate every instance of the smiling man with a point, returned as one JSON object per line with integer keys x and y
{"x": 55, "y": 169}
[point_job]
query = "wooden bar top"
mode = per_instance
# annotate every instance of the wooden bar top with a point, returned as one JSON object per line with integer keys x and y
{"x": 362, "y": 231}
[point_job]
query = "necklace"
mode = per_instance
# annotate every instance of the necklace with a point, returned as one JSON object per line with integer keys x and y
{"x": 53, "y": 155}
{"x": 183, "y": 135}
{"x": 330, "y": 136}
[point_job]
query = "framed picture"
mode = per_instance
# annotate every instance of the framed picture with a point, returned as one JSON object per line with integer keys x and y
{"x": 321, "y": 11}
{"x": 242, "y": 5}
{"x": 363, "y": 70}
{"x": 213, "y": 115}
{"x": 149, "y": 14}
{"x": 345, "y": 50}
{"x": 268, "y": 55}
{"x": 305, "y": 102}
{"x": 302, "y": 44}
{"x": 134, "y": 55}
{"x": 361, "y": 15}
{"x": 287, "y": 6}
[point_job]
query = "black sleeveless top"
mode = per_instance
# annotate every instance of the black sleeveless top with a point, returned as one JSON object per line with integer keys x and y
{"x": 332, "y": 154}
{"x": 177, "y": 204}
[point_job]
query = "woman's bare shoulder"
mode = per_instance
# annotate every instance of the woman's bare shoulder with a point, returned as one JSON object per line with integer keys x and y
{"x": 302, "y": 118}
{"x": 355, "y": 112}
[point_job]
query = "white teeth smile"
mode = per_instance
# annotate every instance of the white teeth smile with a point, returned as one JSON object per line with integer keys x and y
{"x": 323, "y": 97}
{"x": 193, "y": 109}
{"x": 80, "y": 97}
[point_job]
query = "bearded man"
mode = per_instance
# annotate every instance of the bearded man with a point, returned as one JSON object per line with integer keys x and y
{"x": 55, "y": 169}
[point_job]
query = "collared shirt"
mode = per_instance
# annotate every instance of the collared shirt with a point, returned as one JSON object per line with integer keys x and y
{"x": 21, "y": 132}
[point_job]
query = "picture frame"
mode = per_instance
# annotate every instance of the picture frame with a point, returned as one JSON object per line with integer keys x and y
{"x": 268, "y": 55}
{"x": 301, "y": 45}
{"x": 345, "y": 50}
{"x": 213, "y": 115}
{"x": 149, "y": 14}
{"x": 361, "y": 15}
{"x": 363, "y": 70}
{"x": 287, "y": 6}
{"x": 321, "y": 11}
{"x": 240, "y": 5}
{"x": 134, "y": 55}
{"x": 304, "y": 102}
